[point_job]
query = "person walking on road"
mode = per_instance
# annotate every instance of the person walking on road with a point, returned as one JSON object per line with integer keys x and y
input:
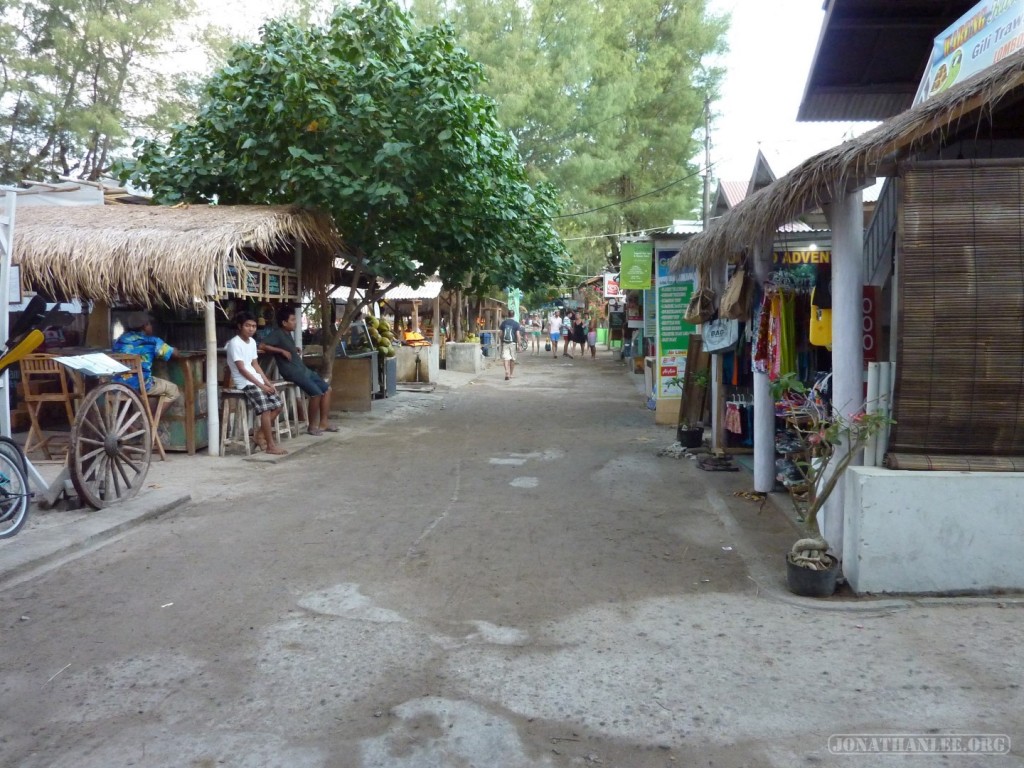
{"x": 566, "y": 333}
{"x": 535, "y": 329}
{"x": 579, "y": 333}
{"x": 592, "y": 335}
{"x": 509, "y": 332}
{"x": 555, "y": 332}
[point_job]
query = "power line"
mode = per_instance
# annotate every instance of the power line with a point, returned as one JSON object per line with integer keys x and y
{"x": 698, "y": 172}
{"x": 616, "y": 234}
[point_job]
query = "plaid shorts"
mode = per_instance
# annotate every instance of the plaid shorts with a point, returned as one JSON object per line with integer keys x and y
{"x": 260, "y": 401}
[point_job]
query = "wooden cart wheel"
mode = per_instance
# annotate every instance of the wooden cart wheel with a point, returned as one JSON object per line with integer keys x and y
{"x": 111, "y": 446}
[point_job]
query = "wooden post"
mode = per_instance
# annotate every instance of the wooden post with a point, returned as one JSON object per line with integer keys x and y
{"x": 97, "y": 329}
{"x": 212, "y": 375}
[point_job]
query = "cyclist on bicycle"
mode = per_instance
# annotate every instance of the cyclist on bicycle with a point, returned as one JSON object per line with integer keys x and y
{"x": 510, "y": 332}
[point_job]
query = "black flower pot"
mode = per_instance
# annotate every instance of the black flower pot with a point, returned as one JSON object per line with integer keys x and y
{"x": 690, "y": 438}
{"x": 810, "y": 583}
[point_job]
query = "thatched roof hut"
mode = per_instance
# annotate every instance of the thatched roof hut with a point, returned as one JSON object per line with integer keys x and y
{"x": 823, "y": 177}
{"x": 162, "y": 255}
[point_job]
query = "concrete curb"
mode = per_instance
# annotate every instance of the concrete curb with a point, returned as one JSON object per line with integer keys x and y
{"x": 20, "y": 556}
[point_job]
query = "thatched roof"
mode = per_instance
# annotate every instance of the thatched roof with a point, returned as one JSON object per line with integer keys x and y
{"x": 161, "y": 255}
{"x": 829, "y": 174}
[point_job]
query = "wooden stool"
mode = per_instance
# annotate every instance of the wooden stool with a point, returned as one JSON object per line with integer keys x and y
{"x": 290, "y": 393}
{"x": 235, "y": 408}
{"x": 235, "y": 404}
{"x": 286, "y": 391}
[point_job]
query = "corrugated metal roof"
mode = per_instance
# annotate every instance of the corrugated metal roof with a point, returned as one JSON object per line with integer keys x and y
{"x": 684, "y": 227}
{"x": 733, "y": 191}
{"x": 429, "y": 290}
{"x": 871, "y": 55}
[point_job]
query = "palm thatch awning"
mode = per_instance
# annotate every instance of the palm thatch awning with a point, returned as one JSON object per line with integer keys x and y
{"x": 162, "y": 255}
{"x": 830, "y": 174}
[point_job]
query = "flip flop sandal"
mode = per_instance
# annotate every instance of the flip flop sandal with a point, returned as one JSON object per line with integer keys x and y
{"x": 314, "y": 432}
{"x": 329, "y": 429}
{"x": 717, "y": 465}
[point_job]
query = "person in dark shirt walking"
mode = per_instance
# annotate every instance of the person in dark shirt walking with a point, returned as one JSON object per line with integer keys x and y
{"x": 509, "y": 332}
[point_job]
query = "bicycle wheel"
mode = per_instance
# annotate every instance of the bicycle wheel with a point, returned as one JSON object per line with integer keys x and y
{"x": 14, "y": 495}
{"x": 12, "y": 449}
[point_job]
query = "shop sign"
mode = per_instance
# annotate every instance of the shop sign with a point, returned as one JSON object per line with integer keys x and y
{"x": 634, "y": 311}
{"x": 673, "y": 294}
{"x": 635, "y": 269}
{"x": 611, "y": 285}
{"x": 798, "y": 258}
{"x": 985, "y": 35}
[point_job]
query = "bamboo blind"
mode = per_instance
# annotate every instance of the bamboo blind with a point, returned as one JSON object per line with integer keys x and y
{"x": 960, "y": 364}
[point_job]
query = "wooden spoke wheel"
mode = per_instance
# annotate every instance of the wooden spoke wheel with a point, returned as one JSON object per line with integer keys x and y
{"x": 111, "y": 446}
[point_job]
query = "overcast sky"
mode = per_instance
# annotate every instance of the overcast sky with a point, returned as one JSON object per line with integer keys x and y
{"x": 771, "y": 46}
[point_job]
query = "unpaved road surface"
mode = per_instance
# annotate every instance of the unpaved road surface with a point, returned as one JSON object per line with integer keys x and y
{"x": 507, "y": 576}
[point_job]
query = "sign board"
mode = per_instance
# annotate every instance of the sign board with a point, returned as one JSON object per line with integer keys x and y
{"x": 611, "y": 285}
{"x": 673, "y": 294}
{"x": 985, "y": 35}
{"x": 635, "y": 269}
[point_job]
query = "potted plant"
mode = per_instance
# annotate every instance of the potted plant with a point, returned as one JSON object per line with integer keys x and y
{"x": 819, "y": 433}
{"x": 690, "y": 433}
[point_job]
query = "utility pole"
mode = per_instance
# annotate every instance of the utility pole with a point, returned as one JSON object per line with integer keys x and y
{"x": 707, "y": 161}
{"x": 717, "y": 385}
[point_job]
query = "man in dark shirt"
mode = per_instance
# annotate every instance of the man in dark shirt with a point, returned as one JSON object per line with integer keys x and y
{"x": 281, "y": 343}
{"x": 509, "y": 332}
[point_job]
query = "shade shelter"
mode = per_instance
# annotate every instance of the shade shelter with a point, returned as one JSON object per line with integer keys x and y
{"x": 951, "y": 226}
{"x": 182, "y": 256}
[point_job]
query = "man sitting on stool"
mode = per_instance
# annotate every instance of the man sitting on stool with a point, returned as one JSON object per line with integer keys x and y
{"x": 281, "y": 343}
{"x": 139, "y": 340}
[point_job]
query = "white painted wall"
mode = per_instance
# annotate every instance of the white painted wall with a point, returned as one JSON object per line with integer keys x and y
{"x": 933, "y": 532}
{"x": 465, "y": 358}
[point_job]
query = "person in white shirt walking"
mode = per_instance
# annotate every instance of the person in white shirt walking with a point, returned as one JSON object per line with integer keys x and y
{"x": 554, "y": 331}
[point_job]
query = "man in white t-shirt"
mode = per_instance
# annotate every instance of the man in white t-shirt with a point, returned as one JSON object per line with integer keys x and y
{"x": 247, "y": 376}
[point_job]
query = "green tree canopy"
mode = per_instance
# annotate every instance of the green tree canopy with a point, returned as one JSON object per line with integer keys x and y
{"x": 77, "y": 77}
{"x": 379, "y": 124}
{"x": 604, "y": 98}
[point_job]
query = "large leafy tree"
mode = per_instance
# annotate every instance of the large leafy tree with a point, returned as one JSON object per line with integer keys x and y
{"x": 605, "y": 99}
{"x": 381, "y": 125}
{"x": 77, "y": 77}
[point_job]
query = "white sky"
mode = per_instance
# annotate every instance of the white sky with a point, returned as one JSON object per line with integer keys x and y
{"x": 771, "y": 44}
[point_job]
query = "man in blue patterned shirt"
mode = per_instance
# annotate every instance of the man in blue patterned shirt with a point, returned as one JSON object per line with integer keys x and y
{"x": 139, "y": 340}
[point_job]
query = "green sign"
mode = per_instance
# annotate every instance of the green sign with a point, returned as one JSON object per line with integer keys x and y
{"x": 635, "y": 271}
{"x": 674, "y": 292}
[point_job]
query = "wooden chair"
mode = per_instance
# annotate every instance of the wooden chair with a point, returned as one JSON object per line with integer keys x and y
{"x": 134, "y": 362}
{"x": 44, "y": 380}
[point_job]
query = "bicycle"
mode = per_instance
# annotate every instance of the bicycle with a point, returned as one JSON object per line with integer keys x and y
{"x": 14, "y": 490}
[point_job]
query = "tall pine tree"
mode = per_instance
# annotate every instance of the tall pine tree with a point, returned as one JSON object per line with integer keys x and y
{"x": 605, "y": 99}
